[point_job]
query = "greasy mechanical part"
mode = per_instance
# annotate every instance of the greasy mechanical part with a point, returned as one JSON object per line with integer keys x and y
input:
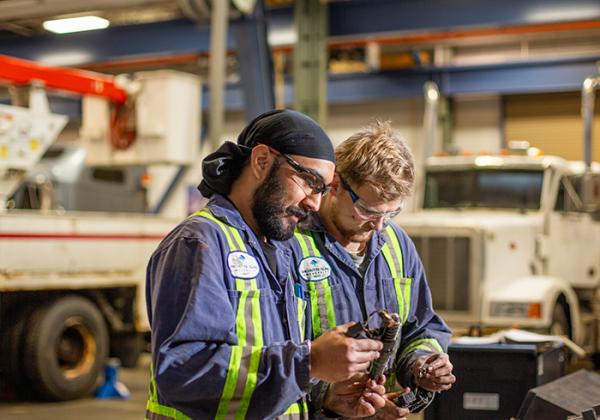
{"x": 416, "y": 401}
{"x": 420, "y": 398}
{"x": 388, "y": 334}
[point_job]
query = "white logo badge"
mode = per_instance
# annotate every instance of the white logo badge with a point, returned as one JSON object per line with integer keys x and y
{"x": 242, "y": 265}
{"x": 314, "y": 269}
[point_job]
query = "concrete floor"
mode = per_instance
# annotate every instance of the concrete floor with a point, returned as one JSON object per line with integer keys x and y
{"x": 136, "y": 381}
{"x": 90, "y": 408}
{"x": 94, "y": 409}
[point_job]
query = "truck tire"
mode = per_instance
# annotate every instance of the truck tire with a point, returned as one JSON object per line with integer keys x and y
{"x": 127, "y": 347}
{"x": 595, "y": 358}
{"x": 560, "y": 321}
{"x": 16, "y": 383}
{"x": 66, "y": 346}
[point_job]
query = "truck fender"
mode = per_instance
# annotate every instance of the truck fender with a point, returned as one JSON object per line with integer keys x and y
{"x": 544, "y": 289}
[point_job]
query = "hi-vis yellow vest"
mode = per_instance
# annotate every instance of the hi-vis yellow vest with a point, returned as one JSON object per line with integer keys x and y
{"x": 242, "y": 372}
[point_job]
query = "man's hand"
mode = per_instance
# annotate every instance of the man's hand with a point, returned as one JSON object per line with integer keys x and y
{"x": 358, "y": 396}
{"x": 336, "y": 357}
{"x": 391, "y": 411}
{"x": 433, "y": 372}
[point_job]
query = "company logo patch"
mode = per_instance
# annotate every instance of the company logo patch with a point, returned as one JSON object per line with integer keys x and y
{"x": 242, "y": 265}
{"x": 314, "y": 269}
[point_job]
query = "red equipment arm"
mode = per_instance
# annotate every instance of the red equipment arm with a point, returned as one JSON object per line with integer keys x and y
{"x": 16, "y": 70}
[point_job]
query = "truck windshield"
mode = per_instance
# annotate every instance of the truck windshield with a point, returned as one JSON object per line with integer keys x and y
{"x": 484, "y": 188}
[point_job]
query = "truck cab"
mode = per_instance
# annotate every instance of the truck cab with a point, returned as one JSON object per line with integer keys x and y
{"x": 512, "y": 240}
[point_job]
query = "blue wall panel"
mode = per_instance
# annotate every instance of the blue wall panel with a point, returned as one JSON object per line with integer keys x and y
{"x": 364, "y": 87}
{"x": 170, "y": 37}
{"x": 550, "y": 76}
{"x": 377, "y": 16}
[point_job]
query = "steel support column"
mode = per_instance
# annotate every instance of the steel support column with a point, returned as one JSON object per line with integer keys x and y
{"x": 447, "y": 122}
{"x": 310, "y": 59}
{"x": 254, "y": 56}
{"x": 218, "y": 50}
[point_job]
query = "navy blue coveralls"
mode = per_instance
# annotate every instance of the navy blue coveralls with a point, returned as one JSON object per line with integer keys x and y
{"x": 393, "y": 280}
{"x": 227, "y": 332}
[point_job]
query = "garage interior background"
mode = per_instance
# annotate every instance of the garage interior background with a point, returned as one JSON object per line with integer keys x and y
{"x": 507, "y": 70}
{"x": 510, "y": 70}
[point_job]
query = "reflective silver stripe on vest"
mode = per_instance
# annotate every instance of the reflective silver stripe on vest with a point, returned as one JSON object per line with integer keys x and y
{"x": 155, "y": 416}
{"x": 320, "y": 289}
{"x": 322, "y": 306}
{"x": 240, "y": 385}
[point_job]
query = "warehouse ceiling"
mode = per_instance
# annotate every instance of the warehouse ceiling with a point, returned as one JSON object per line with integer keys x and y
{"x": 390, "y": 35}
{"x": 25, "y": 17}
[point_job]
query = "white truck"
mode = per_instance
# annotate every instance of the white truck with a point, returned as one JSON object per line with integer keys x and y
{"x": 72, "y": 282}
{"x": 514, "y": 239}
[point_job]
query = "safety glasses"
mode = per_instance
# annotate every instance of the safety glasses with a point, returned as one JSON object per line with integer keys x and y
{"x": 312, "y": 180}
{"x": 366, "y": 212}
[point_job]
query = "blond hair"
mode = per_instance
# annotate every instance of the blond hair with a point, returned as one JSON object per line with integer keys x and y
{"x": 378, "y": 157}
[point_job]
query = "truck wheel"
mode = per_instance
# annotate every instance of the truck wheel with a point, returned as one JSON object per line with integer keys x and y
{"x": 560, "y": 322}
{"x": 12, "y": 358}
{"x": 595, "y": 358}
{"x": 127, "y": 347}
{"x": 66, "y": 345}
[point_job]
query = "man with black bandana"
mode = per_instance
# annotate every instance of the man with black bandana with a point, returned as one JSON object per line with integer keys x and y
{"x": 227, "y": 320}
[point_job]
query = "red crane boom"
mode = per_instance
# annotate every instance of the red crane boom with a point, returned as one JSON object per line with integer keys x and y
{"x": 19, "y": 71}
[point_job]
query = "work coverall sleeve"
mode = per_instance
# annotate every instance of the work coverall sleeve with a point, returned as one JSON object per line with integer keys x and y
{"x": 424, "y": 332}
{"x": 193, "y": 333}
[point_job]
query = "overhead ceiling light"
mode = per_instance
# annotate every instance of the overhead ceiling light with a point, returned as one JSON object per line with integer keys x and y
{"x": 76, "y": 24}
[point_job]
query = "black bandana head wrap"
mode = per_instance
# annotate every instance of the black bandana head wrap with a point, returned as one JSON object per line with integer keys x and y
{"x": 286, "y": 131}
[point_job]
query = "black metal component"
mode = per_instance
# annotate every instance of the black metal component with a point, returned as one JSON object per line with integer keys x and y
{"x": 416, "y": 401}
{"x": 388, "y": 334}
{"x": 356, "y": 331}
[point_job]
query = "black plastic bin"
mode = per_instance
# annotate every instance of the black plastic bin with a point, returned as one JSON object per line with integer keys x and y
{"x": 492, "y": 380}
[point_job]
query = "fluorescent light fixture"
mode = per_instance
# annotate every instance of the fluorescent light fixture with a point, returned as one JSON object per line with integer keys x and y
{"x": 65, "y": 58}
{"x": 564, "y": 13}
{"x": 76, "y": 24}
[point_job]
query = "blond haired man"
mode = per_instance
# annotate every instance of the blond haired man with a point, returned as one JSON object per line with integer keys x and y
{"x": 354, "y": 261}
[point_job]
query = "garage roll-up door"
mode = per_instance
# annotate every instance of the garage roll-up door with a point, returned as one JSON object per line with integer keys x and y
{"x": 551, "y": 122}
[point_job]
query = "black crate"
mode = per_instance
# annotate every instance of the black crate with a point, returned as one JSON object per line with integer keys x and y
{"x": 492, "y": 380}
{"x": 564, "y": 398}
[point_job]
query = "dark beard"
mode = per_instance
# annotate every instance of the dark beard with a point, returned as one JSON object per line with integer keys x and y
{"x": 268, "y": 208}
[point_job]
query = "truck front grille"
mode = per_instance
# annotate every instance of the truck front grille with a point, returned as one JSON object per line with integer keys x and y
{"x": 447, "y": 261}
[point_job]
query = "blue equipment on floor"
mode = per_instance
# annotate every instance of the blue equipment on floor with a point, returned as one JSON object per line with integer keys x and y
{"x": 112, "y": 388}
